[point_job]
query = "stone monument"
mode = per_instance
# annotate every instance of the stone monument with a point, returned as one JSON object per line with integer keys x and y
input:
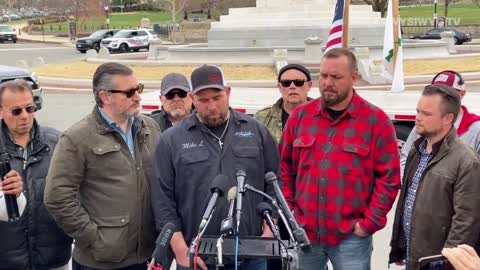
{"x": 290, "y": 22}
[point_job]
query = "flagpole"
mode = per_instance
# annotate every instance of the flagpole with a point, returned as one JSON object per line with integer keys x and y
{"x": 346, "y": 17}
{"x": 396, "y": 21}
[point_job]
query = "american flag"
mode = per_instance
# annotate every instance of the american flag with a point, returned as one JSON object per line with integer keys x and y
{"x": 335, "y": 37}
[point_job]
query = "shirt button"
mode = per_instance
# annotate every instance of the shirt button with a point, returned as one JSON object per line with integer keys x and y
{"x": 122, "y": 220}
{"x": 138, "y": 168}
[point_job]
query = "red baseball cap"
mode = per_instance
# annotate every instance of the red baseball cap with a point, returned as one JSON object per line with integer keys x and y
{"x": 450, "y": 78}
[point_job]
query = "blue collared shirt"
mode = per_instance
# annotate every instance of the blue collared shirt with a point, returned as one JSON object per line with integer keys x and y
{"x": 425, "y": 157}
{"x": 127, "y": 137}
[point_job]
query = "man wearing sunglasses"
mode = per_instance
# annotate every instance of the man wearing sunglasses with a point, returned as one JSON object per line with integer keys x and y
{"x": 34, "y": 241}
{"x": 294, "y": 82}
{"x": 176, "y": 103}
{"x": 98, "y": 187}
{"x": 439, "y": 203}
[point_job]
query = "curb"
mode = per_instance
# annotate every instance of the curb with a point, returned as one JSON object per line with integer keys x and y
{"x": 46, "y": 41}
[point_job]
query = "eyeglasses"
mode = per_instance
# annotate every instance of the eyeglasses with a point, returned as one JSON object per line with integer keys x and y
{"x": 129, "y": 92}
{"x": 171, "y": 95}
{"x": 18, "y": 111}
{"x": 287, "y": 83}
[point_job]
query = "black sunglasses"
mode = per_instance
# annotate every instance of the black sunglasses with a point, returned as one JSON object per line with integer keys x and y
{"x": 18, "y": 111}
{"x": 171, "y": 95}
{"x": 129, "y": 92}
{"x": 287, "y": 83}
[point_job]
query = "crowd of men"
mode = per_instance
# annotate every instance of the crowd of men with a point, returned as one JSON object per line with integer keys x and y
{"x": 113, "y": 180}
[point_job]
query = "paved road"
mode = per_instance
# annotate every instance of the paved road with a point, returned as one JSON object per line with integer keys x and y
{"x": 51, "y": 53}
{"x": 62, "y": 110}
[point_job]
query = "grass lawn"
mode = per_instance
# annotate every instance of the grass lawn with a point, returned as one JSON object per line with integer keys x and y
{"x": 84, "y": 70}
{"x": 117, "y": 20}
{"x": 467, "y": 13}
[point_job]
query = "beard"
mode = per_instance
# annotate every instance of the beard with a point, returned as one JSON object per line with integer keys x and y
{"x": 427, "y": 133}
{"x": 177, "y": 114}
{"x": 211, "y": 121}
{"x": 332, "y": 97}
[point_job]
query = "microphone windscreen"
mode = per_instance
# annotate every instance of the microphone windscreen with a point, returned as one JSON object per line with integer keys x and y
{"x": 232, "y": 193}
{"x": 221, "y": 184}
{"x": 262, "y": 207}
{"x": 270, "y": 177}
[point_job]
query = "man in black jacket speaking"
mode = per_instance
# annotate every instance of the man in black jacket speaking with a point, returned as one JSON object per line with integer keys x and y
{"x": 214, "y": 140}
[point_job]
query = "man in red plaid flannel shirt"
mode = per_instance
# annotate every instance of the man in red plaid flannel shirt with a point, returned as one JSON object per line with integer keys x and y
{"x": 340, "y": 168}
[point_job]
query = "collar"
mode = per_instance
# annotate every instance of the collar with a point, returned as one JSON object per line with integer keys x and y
{"x": 352, "y": 109}
{"x": 440, "y": 146}
{"x": 276, "y": 110}
{"x": 238, "y": 118}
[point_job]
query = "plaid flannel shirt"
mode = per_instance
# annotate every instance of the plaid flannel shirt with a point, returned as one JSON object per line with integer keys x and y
{"x": 339, "y": 172}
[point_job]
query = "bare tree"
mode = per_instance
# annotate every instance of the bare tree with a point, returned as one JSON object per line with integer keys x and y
{"x": 174, "y": 6}
{"x": 379, "y": 6}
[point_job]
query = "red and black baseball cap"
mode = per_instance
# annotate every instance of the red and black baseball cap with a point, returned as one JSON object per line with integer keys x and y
{"x": 205, "y": 77}
{"x": 450, "y": 78}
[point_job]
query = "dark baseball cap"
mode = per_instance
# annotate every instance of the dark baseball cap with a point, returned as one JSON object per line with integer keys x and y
{"x": 207, "y": 77}
{"x": 174, "y": 81}
{"x": 297, "y": 67}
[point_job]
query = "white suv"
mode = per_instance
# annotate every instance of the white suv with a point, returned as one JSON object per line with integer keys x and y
{"x": 127, "y": 40}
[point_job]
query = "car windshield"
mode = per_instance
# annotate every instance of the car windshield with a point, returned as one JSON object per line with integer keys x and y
{"x": 6, "y": 28}
{"x": 98, "y": 34}
{"x": 151, "y": 32}
{"x": 122, "y": 34}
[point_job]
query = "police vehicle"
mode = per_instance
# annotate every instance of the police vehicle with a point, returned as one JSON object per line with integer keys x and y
{"x": 129, "y": 40}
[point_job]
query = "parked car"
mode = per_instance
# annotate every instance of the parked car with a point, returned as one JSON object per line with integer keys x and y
{"x": 93, "y": 41}
{"x": 459, "y": 36}
{"x": 8, "y": 73}
{"x": 127, "y": 40}
{"x": 8, "y": 33}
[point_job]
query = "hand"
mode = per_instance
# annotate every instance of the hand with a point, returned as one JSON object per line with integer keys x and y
{"x": 359, "y": 231}
{"x": 183, "y": 259}
{"x": 267, "y": 233}
{"x": 12, "y": 183}
{"x": 462, "y": 257}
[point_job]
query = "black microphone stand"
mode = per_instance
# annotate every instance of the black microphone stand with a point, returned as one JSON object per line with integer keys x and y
{"x": 10, "y": 199}
{"x": 289, "y": 258}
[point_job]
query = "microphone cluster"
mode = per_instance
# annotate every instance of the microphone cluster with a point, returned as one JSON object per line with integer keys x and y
{"x": 230, "y": 226}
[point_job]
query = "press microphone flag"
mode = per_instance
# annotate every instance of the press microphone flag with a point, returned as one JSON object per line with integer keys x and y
{"x": 161, "y": 248}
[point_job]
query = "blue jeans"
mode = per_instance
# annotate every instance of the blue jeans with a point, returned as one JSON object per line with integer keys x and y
{"x": 353, "y": 253}
{"x": 252, "y": 264}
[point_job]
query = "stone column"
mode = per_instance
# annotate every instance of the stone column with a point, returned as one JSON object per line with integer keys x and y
{"x": 313, "y": 49}
{"x": 448, "y": 37}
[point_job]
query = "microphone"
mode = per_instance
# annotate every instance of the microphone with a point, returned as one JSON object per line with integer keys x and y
{"x": 277, "y": 207}
{"x": 265, "y": 211}
{"x": 240, "y": 175}
{"x": 161, "y": 247}
{"x": 298, "y": 232}
{"x": 226, "y": 227}
{"x": 219, "y": 184}
{"x": 10, "y": 199}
